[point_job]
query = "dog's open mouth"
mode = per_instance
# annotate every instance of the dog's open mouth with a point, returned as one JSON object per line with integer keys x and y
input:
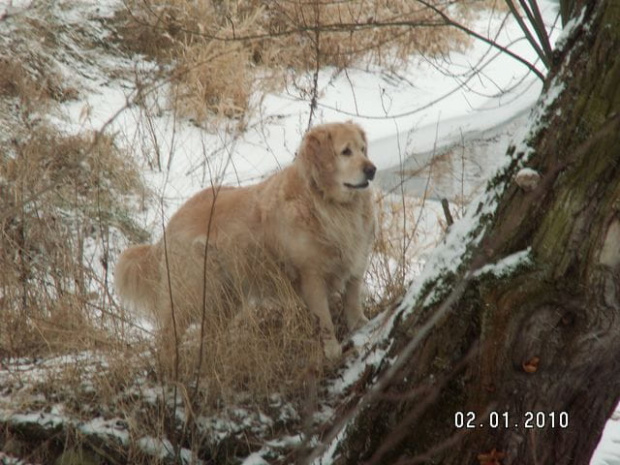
{"x": 362, "y": 185}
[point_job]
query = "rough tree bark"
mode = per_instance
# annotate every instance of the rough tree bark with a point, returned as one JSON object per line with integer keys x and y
{"x": 546, "y": 337}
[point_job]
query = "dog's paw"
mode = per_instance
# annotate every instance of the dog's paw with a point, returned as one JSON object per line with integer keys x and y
{"x": 332, "y": 350}
{"x": 357, "y": 323}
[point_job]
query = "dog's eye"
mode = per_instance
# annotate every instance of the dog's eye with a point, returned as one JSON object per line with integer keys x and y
{"x": 346, "y": 152}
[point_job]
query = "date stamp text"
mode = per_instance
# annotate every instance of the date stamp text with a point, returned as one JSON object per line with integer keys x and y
{"x": 506, "y": 420}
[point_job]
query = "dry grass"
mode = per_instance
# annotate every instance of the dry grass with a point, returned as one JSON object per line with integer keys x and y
{"x": 405, "y": 235}
{"x": 62, "y": 198}
{"x": 216, "y": 80}
{"x": 32, "y": 82}
{"x": 223, "y": 51}
{"x": 264, "y": 350}
{"x": 64, "y": 201}
{"x": 235, "y": 345}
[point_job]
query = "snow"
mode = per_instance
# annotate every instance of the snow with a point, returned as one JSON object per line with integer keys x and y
{"x": 328, "y": 457}
{"x": 254, "y": 459}
{"x": 506, "y": 265}
{"x": 115, "y": 428}
{"x": 46, "y": 420}
{"x": 164, "y": 449}
{"x": 569, "y": 29}
{"x": 13, "y": 7}
{"x": 608, "y": 450}
{"x": 367, "y": 359}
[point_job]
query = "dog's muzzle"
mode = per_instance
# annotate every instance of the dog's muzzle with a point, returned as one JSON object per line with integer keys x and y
{"x": 369, "y": 173}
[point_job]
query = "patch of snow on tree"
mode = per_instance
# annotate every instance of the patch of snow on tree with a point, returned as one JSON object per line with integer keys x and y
{"x": 571, "y": 26}
{"x": 507, "y": 264}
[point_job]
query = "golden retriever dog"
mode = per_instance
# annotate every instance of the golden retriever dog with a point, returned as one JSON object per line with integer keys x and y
{"x": 313, "y": 220}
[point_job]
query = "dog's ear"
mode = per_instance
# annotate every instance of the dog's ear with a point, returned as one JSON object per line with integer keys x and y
{"x": 363, "y": 133}
{"x": 317, "y": 143}
{"x": 360, "y": 130}
{"x": 316, "y": 157}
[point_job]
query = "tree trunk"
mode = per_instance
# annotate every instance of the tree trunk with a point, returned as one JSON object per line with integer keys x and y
{"x": 529, "y": 359}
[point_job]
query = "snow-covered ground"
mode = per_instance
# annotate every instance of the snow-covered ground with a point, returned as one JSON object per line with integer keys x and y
{"x": 438, "y": 129}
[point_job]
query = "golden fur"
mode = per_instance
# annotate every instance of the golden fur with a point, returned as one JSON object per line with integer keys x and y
{"x": 313, "y": 221}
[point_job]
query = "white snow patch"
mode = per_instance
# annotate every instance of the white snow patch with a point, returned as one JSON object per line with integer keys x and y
{"x": 569, "y": 29}
{"x": 538, "y": 119}
{"x": 287, "y": 441}
{"x": 448, "y": 255}
{"x": 46, "y": 420}
{"x": 328, "y": 457}
{"x": 254, "y": 459}
{"x": 608, "y": 450}
{"x": 163, "y": 448}
{"x": 115, "y": 428}
{"x": 14, "y": 7}
{"x": 507, "y": 264}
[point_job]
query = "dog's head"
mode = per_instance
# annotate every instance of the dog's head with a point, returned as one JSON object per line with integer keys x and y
{"x": 334, "y": 158}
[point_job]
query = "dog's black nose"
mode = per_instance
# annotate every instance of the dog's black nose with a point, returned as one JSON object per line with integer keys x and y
{"x": 369, "y": 171}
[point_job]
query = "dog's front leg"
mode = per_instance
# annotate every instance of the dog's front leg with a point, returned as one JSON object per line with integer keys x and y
{"x": 314, "y": 293}
{"x": 352, "y": 306}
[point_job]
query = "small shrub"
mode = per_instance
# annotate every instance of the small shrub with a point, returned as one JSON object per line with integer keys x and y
{"x": 62, "y": 199}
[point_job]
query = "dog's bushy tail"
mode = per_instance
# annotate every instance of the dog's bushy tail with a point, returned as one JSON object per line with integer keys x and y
{"x": 136, "y": 277}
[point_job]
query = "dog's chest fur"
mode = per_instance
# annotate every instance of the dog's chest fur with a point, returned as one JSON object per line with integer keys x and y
{"x": 331, "y": 239}
{"x": 346, "y": 233}
{"x": 305, "y": 231}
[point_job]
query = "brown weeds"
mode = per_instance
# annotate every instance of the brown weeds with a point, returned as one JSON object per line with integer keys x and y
{"x": 225, "y": 50}
{"x": 403, "y": 238}
{"x": 233, "y": 325}
{"x": 62, "y": 198}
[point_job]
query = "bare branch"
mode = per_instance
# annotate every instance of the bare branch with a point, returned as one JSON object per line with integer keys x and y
{"x": 449, "y": 21}
{"x": 317, "y": 64}
{"x": 528, "y": 35}
{"x": 540, "y": 28}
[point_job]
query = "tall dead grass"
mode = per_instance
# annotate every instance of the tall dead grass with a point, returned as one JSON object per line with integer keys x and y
{"x": 61, "y": 201}
{"x": 265, "y": 350}
{"x": 224, "y": 50}
{"x": 233, "y": 325}
{"x": 66, "y": 200}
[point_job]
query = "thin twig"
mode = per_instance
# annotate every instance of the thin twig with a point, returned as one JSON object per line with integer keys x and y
{"x": 541, "y": 30}
{"x": 528, "y": 35}
{"x": 449, "y": 21}
{"x": 445, "y": 205}
{"x": 314, "y": 100}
